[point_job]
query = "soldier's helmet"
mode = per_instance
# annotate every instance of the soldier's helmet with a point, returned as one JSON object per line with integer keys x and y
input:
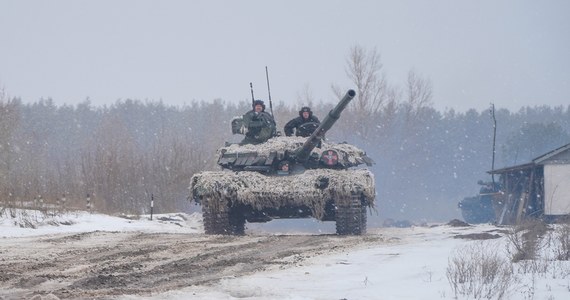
{"x": 283, "y": 164}
{"x": 258, "y": 102}
{"x": 305, "y": 109}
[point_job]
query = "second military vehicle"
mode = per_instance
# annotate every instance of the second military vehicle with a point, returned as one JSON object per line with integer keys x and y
{"x": 479, "y": 209}
{"x": 288, "y": 177}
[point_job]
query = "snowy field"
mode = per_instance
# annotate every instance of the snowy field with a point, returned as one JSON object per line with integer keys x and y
{"x": 408, "y": 263}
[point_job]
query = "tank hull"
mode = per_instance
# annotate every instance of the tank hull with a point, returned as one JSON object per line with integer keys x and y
{"x": 325, "y": 194}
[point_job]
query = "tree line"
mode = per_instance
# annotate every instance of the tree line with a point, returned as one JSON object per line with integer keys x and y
{"x": 123, "y": 154}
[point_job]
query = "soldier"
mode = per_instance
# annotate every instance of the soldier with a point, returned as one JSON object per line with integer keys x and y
{"x": 301, "y": 123}
{"x": 283, "y": 168}
{"x": 259, "y": 126}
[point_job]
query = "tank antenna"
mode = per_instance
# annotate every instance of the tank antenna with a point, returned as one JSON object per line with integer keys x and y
{"x": 269, "y": 91}
{"x": 252, "y": 98}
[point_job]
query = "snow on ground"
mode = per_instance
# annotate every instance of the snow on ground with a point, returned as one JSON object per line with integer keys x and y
{"x": 33, "y": 222}
{"x": 411, "y": 264}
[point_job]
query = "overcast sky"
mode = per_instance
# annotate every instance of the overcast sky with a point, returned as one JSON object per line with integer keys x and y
{"x": 512, "y": 53}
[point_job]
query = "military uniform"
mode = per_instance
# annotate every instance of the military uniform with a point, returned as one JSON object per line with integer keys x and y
{"x": 297, "y": 122}
{"x": 260, "y": 126}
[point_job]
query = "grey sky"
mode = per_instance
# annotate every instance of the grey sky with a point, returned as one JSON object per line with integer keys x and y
{"x": 512, "y": 53}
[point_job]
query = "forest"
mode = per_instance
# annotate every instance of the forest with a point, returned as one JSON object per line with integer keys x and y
{"x": 115, "y": 159}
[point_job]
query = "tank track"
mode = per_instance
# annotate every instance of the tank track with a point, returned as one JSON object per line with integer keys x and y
{"x": 227, "y": 221}
{"x": 350, "y": 216}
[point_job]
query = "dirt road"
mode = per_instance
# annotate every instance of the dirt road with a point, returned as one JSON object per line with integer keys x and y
{"x": 107, "y": 264}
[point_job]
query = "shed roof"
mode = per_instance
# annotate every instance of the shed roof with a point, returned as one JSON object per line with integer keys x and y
{"x": 513, "y": 168}
{"x": 534, "y": 163}
{"x": 551, "y": 154}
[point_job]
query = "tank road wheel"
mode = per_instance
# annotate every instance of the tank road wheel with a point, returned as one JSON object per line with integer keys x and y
{"x": 222, "y": 219}
{"x": 350, "y": 216}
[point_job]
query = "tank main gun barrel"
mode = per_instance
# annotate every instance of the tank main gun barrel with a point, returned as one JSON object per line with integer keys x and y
{"x": 315, "y": 138}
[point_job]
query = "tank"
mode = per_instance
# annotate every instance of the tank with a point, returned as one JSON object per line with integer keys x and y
{"x": 288, "y": 177}
{"x": 479, "y": 209}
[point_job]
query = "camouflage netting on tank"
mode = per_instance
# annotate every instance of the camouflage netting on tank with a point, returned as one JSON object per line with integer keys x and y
{"x": 313, "y": 188}
{"x": 279, "y": 143}
{"x": 291, "y": 144}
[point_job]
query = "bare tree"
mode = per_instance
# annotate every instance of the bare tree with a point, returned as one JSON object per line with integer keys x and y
{"x": 9, "y": 117}
{"x": 9, "y": 122}
{"x": 376, "y": 101}
{"x": 365, "y": 70}
{"x": 112, "y": 167}
{"x": 419, "y": 92}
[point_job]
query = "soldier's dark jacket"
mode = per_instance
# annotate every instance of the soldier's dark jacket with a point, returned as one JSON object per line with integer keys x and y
{"x": 295, "y": 123}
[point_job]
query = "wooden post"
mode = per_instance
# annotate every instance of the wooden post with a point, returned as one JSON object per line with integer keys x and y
{"x": 151, "y": 205}
{"x": 88, "y": 203}
{"x": 525, "y": 197}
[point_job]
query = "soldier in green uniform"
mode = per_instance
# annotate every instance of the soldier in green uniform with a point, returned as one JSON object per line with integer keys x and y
{"x": 259, "y": 126}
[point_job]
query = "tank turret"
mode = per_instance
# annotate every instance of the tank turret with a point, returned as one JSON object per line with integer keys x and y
{"x": 301, "y": 153}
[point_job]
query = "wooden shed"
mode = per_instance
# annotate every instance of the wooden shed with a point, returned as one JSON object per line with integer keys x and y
{"x": 539, "y": 189}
